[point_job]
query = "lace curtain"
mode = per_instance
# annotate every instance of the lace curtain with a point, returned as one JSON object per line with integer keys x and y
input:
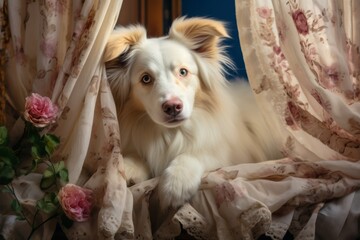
{"x": 302, "y": 59}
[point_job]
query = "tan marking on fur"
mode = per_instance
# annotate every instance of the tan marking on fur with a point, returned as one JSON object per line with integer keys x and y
{"x": 201, "y": 35}
{"x": 134, "y": 103}
{"x": 205, "y": 99}
{"x": 120, "y": 41}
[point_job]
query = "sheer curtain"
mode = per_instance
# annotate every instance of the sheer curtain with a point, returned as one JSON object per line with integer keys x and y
{"x": 54, "y": 48}
{"x": 302, "y": 59}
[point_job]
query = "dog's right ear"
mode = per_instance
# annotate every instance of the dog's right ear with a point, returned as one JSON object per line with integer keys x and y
{"x": 117, "y": 57}
{"x": 122, "y": 39}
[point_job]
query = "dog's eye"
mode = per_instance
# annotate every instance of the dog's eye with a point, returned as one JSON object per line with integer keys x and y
{"x": 183, "y": 72}
{"x": 146, "y": 79}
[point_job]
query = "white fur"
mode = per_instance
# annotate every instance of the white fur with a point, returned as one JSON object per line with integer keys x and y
{"x": 213, "y": 129}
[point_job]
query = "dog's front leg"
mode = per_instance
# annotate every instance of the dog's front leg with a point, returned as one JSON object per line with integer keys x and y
{"x": 180, "y": 181}
{"x": 136, "y": 170}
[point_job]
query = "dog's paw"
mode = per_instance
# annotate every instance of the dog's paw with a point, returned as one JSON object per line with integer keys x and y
{"x": 178, "y": 184}
{"x": 136, "y": 170}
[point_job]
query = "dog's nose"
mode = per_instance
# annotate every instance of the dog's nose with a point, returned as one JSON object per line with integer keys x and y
{"x": 172, "y": 107}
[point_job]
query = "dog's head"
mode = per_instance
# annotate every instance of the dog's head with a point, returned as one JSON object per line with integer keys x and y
{"x": 163, "y": 75}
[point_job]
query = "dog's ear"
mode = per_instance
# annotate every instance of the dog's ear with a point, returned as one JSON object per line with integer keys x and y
{"x": 199, "y": 34}
{"x": 117, "y": 57}
{"x": 122, "y": 39}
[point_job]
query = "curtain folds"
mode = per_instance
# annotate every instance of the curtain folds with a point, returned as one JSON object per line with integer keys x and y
{"x": 55, "y": 49}
{"x": 303, "y": 62}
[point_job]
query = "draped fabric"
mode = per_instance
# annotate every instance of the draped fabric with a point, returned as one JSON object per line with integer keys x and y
{"x": 303, "y": 62}
{"x": 55, "y": 48}
{"x": 302, "y": 59}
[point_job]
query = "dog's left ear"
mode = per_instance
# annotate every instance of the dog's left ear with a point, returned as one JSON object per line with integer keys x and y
{"x": 199, "y": 34}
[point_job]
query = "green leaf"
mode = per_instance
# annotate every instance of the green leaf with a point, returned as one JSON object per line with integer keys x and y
{"x": 7, "y": 173}
{"x": 48, "y": 173}
{"x": 3, "y": 135}
{"x": 16, "y": 207}
{"x": 34, "y": 164}
{"x": 47, "y": 182}
{"x": 8, "y": 156}
{"x": 49, "y": 203}
{"x": 20, "y": 218}
{"x": 38, "y": 151}
{"x": 31, "y": 132}
{"x": 59, "y": 166}
{"x": 5, "y": 189}
{"x": 50, "y": 197}
{"x": 64, "y": 175}
{"x": 51, "y": 143}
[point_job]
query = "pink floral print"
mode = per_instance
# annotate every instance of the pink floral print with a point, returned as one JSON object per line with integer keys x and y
{"x": 330, "y": 69}
{"x": 264, "y": 12}
{"x": 224, "y": 192}
{"x": 300, "y": 21}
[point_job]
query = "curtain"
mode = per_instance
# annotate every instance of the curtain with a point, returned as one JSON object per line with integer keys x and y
{"x": 302, "y": 60}
{"x": 54, "y": 48}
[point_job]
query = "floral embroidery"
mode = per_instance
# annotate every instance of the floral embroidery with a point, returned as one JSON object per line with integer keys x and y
{"x": 293, "y": 115}
{"x": 57, "y": 6}
{"x": 309, "y": 51}
{"x": 300, "y": 21}
{"x": 330, "y": 76}
{"x": 325, "y": 104}
{"x": 224, "y": 192}
{"x": 264, "y": 12}
{"x": 301, "y": 114}
{"x": 48, "y": 48}
{"x": 355, "y": 127}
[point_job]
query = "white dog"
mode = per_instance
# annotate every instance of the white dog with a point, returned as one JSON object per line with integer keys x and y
{"x": 176, "y": 114}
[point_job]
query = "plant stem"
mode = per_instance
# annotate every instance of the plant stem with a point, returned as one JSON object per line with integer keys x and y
{"x": 12, "y": 190}
{"x": 34, "y": 218}
{"x": 33, "y": 229}
{"x": 54, "y": 171}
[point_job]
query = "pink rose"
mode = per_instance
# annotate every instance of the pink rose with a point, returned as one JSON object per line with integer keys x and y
{"x": 40, "y": 111}
{"x": 300, "y": 22}
{"x": 76, "y": 202}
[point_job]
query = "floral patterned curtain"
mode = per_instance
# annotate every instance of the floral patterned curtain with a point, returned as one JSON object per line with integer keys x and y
{"x": 303, "y": 62}
{"x": 302, "y": 59}
{"x": 54, "y": 48}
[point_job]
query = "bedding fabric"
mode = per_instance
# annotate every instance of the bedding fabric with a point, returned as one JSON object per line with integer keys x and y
{"x": 302, "y": 59}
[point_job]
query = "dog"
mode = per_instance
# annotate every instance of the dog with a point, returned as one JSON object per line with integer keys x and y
{"x": 177, "y": 113}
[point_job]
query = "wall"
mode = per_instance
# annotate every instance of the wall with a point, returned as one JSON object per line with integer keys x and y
{"x": 223, "y": 10}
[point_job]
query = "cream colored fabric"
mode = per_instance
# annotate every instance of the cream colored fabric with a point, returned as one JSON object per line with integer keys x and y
{"x": 302, "y": 60}
{"x": 311, "y": 79}
{"x": 56, "y": 50}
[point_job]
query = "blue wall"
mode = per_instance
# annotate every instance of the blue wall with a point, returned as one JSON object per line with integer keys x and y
{"x": 223, "y": 10}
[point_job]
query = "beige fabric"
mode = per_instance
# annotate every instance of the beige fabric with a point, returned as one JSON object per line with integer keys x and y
{"x": 248, "y": 200}
{"x": 55, "y": 50}
{"x": 313, "y": 85}
{"x": 302, "y": 62}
